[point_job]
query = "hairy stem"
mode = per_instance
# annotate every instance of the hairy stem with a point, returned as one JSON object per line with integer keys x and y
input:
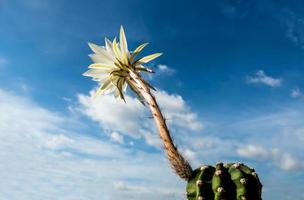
{"x": 178, "y": 162}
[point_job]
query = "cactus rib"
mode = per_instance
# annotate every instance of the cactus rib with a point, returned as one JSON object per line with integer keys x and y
{"x": 232, "y": 181}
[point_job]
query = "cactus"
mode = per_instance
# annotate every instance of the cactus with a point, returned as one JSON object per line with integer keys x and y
{"x": 115, "y": 68}
{"x": 232, "y": 181}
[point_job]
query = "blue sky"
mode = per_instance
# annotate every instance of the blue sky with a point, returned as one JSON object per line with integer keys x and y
{"x": 230, "y": 82}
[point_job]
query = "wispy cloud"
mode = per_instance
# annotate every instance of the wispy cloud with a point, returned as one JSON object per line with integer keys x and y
{"x": 253, "y": 151}
{"x": 283, "y": 160}
{"x": 294, "y": 24}
{"x": 295, "y": 92}
{"x": 165, "y": 69}
{"x": 58, "y": 141}
{"x": 38, "y": 148}
{"x": 260, "y": 77}
{"x": 160, "y": 70}
{"x": 189, "y": 154}
{"x": 116, "y": 137}
{"x": 128, "y": 188}
{"x": 37, "y": 143}
{"x": 274, "y": 138}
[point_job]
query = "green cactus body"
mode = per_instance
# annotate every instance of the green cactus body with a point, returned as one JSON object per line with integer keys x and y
{"x": 232, "y": 181}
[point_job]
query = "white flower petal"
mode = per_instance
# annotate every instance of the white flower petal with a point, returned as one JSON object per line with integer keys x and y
{"x": 106, "y": 86}
{"x": 125, "y": 87}
{"x": 143, "y": 68}
{"x": 96, "y": 73}
{"x": 95, "y": 48}
{"x": 137, "y": 50}
{"x": 99, "y": 58}
{"x": 116, "y": 49}
{"x": 149, "y": 58}
{"x": 100, "y": 79}
{"x": 98, "y": 50}
{"x": 102, "y": 66}
{"x": 123, "y": 42}
{"x": 109, "y": 46}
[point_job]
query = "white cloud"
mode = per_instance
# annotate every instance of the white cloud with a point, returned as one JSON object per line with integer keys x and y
{"x": 58, "y": 141}
{"x": 253, "y": 151}
{"x": 165, "y": 69}
{"x": 295, "y": 93}
{"x": 287, "y": 162}
{"x": 160, "y": 70}
{"x": 151, "y": 139}
{"x": 294, "y": 24}
{"x": 271, "y": 140}
{"x": 283, "y": 160}
{"x": 261, "y": 78}
{"x": 123, "y": 186}
{"x": 189, "y": 154}
{"x": 39, "y": 148}
{"x": 116, "y": 137}
{"x": 36, "y": 143}
{"x": 135, "y": 120}
{"x": 66, "y": 99}
{"x": 115, "y": 115}
{"x": 178, "y": 112}
{"x": 140, "y": 189}
{"x": 178, "y": 115}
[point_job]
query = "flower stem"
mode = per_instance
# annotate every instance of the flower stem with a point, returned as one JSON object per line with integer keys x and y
{"x": 178, "y": 162}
